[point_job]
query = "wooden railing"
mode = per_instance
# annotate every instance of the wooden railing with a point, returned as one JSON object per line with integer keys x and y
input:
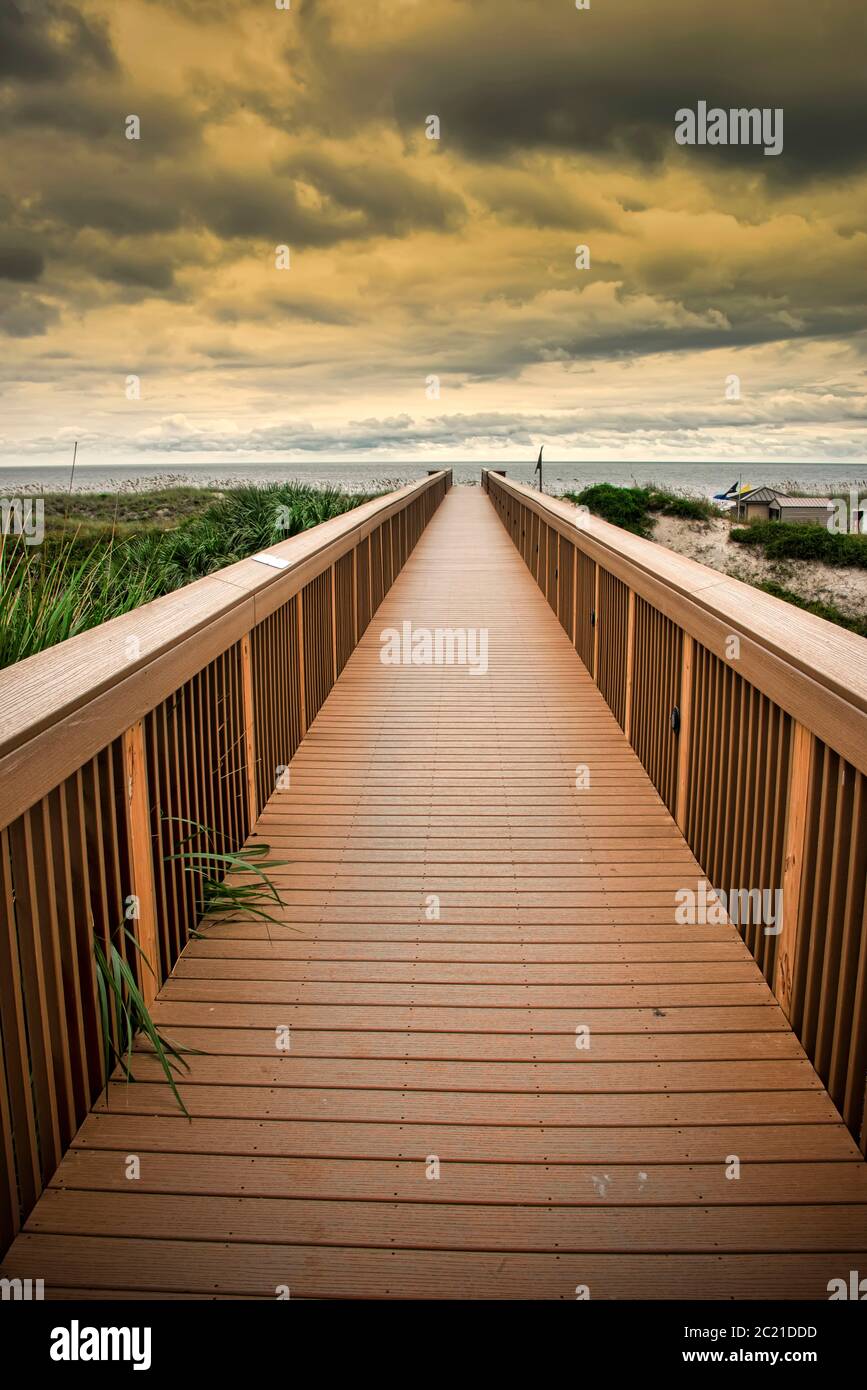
{"x": 114, "y": 746}
{"x": 750, "y": 717}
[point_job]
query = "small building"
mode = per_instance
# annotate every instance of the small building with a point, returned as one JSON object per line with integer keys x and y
{"x": 767, "y": 504}
{"x": 811, "y": 511}
{"x": 755, "y": 504}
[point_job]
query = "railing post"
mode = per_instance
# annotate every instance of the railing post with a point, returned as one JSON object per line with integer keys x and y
{"x": 299, "y": 613}
{"x": 10, "y": 1221}
{"x": 685, "y": 730}
{"x": 141, "y": 859}
{"x": 333, "y": 623}
{"x": 630, "y": 662}
{"x": 18, "y": 1064}
{"x": 355, "y": 596}
{"x": 803, "y": 746}
{"x": 596, "y": 625}
{"x": 249, "y": 726}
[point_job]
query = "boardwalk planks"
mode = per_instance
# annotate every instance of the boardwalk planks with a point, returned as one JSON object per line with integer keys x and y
{"x": 456, "y": 907}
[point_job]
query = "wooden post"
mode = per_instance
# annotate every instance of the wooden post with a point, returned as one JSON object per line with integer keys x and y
{"x": 141, "y": 860}
{"x": 299, "y": 610}
{"x": 684, "y": 735}
{"x": 355, "y": 595}
{"x": 630, "y": 662}
{"x": 596, "y": 626}
{"x": 31, "y": 1086}
{"x": 803, "y": 752}
{"x": 249, "y": 726}
{"x": 10, "y": 1206}
{"x": 333, "y": 624}
{"x": 381, "y": 549}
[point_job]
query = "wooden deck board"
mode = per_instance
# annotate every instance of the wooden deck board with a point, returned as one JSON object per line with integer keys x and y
{"x": 502, "y": 1143}
{"x": 529, "y": 1184}
{"x": 454, "y": 1037}
{"x": 218, "y": 1268}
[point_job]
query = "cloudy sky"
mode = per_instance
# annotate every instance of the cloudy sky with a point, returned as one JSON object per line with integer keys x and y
{"x": 412, "y": 258}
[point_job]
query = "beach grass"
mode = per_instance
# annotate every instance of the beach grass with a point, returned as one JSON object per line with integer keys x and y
{"x": 103, "y": 555}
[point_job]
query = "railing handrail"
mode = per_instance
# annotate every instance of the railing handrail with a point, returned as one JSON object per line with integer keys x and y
{"x": 813, "y": 669}
{"x": 60, "y": 706}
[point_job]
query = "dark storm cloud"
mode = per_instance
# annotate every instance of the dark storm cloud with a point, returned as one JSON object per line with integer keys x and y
{"x": 138, "y": 273}
{"x": 358, "y": 202}
{"x": 20, "y": 263}
{"x": 98, "y": 115}
{"x": 134, "y": 197}
{"x": 253, "y": 206}
{"x": 41, "y": 39}
{"x": 111, "y": 208}
{"x": 391, "y": 199}
{"x": 457, "y": 256}
{"x": 142, "y": 203}
{"x": 22, "y": 314}
{"x": 511, "y": 355}
{"x": 508, "y": 74}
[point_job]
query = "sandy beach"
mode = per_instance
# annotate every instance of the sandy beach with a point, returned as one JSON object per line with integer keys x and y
{"x": 845, "y": 587}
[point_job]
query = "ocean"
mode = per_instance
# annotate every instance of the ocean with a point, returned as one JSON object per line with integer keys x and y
{"x": 824, "y": 479}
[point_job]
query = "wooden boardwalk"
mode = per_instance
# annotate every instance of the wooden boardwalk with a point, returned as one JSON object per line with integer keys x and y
{"x": 433, "y": 1129}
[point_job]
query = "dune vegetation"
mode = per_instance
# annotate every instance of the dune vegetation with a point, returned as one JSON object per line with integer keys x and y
{"x": 103, "y": 555}
{"x": 634, "y": 508}
{"x": 779, "y": 540}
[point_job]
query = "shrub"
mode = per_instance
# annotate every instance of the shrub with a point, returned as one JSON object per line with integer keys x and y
{"x": 622, "y": 506}
{"x": 782, "y": 540}
{"x": 688, "y": 508}
{"x": 633, "y": 507}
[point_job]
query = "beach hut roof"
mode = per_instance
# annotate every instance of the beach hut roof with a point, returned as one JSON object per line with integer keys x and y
{"x": 803, "y": 502}
{"x": 760, "y": 494}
